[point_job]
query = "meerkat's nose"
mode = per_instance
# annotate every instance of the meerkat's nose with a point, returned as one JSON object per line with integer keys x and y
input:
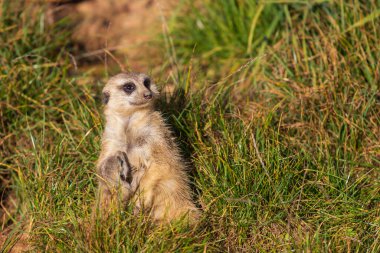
{"x": 148, "y": 95}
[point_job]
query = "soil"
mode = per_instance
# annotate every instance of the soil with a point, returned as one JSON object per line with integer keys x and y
{"x": 125, "y": 28}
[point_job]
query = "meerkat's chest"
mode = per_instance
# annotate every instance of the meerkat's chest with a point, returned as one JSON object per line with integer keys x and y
{"x": 126, "y": 141}
{"x": 137, "y": 138}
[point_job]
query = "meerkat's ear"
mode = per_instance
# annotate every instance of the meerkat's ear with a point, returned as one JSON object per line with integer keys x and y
{"x": 105, "y": 97}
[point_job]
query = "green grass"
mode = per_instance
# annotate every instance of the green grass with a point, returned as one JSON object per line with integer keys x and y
{"x": 285, "y": 152}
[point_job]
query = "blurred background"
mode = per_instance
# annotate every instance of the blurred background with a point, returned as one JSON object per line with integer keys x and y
{"x": 124, "y": 27}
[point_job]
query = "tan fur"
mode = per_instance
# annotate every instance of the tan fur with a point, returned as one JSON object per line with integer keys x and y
{"x": 138, "y": 144}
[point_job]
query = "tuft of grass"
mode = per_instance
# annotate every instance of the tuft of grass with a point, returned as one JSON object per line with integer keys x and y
{"x": 284, "y": 152}
{"x": 226, "y": 29}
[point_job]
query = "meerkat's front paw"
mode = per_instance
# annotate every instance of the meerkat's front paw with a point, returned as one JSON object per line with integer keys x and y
{"x": 116, "y": 170}
{"x": 125, "y": 167}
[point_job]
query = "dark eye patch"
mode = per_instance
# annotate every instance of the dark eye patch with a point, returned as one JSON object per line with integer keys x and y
{"x": 147, "y": 82}
{"x": 129, "y": 87}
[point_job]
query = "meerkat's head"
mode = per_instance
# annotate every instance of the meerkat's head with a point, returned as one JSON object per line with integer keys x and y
{"x": 128, "y": 92}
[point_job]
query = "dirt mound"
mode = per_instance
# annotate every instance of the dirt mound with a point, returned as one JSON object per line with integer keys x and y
{"x": 124, "y": 27}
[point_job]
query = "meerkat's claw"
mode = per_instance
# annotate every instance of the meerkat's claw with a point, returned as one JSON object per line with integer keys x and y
{"x": 125, "y": 167}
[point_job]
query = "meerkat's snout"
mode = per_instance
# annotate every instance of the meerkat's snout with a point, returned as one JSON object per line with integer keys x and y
{"x": 148, "y": 95}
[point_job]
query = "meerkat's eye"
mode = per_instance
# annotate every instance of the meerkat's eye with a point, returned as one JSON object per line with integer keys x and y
{"x": 129, "y": 87}
{"x": 147, "y": 82}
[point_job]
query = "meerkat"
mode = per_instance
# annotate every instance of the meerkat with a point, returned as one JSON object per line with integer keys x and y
{"x": 139, "y": 161}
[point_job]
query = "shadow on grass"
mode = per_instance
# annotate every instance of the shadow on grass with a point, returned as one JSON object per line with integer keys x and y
{"x": 172, "y": 107}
